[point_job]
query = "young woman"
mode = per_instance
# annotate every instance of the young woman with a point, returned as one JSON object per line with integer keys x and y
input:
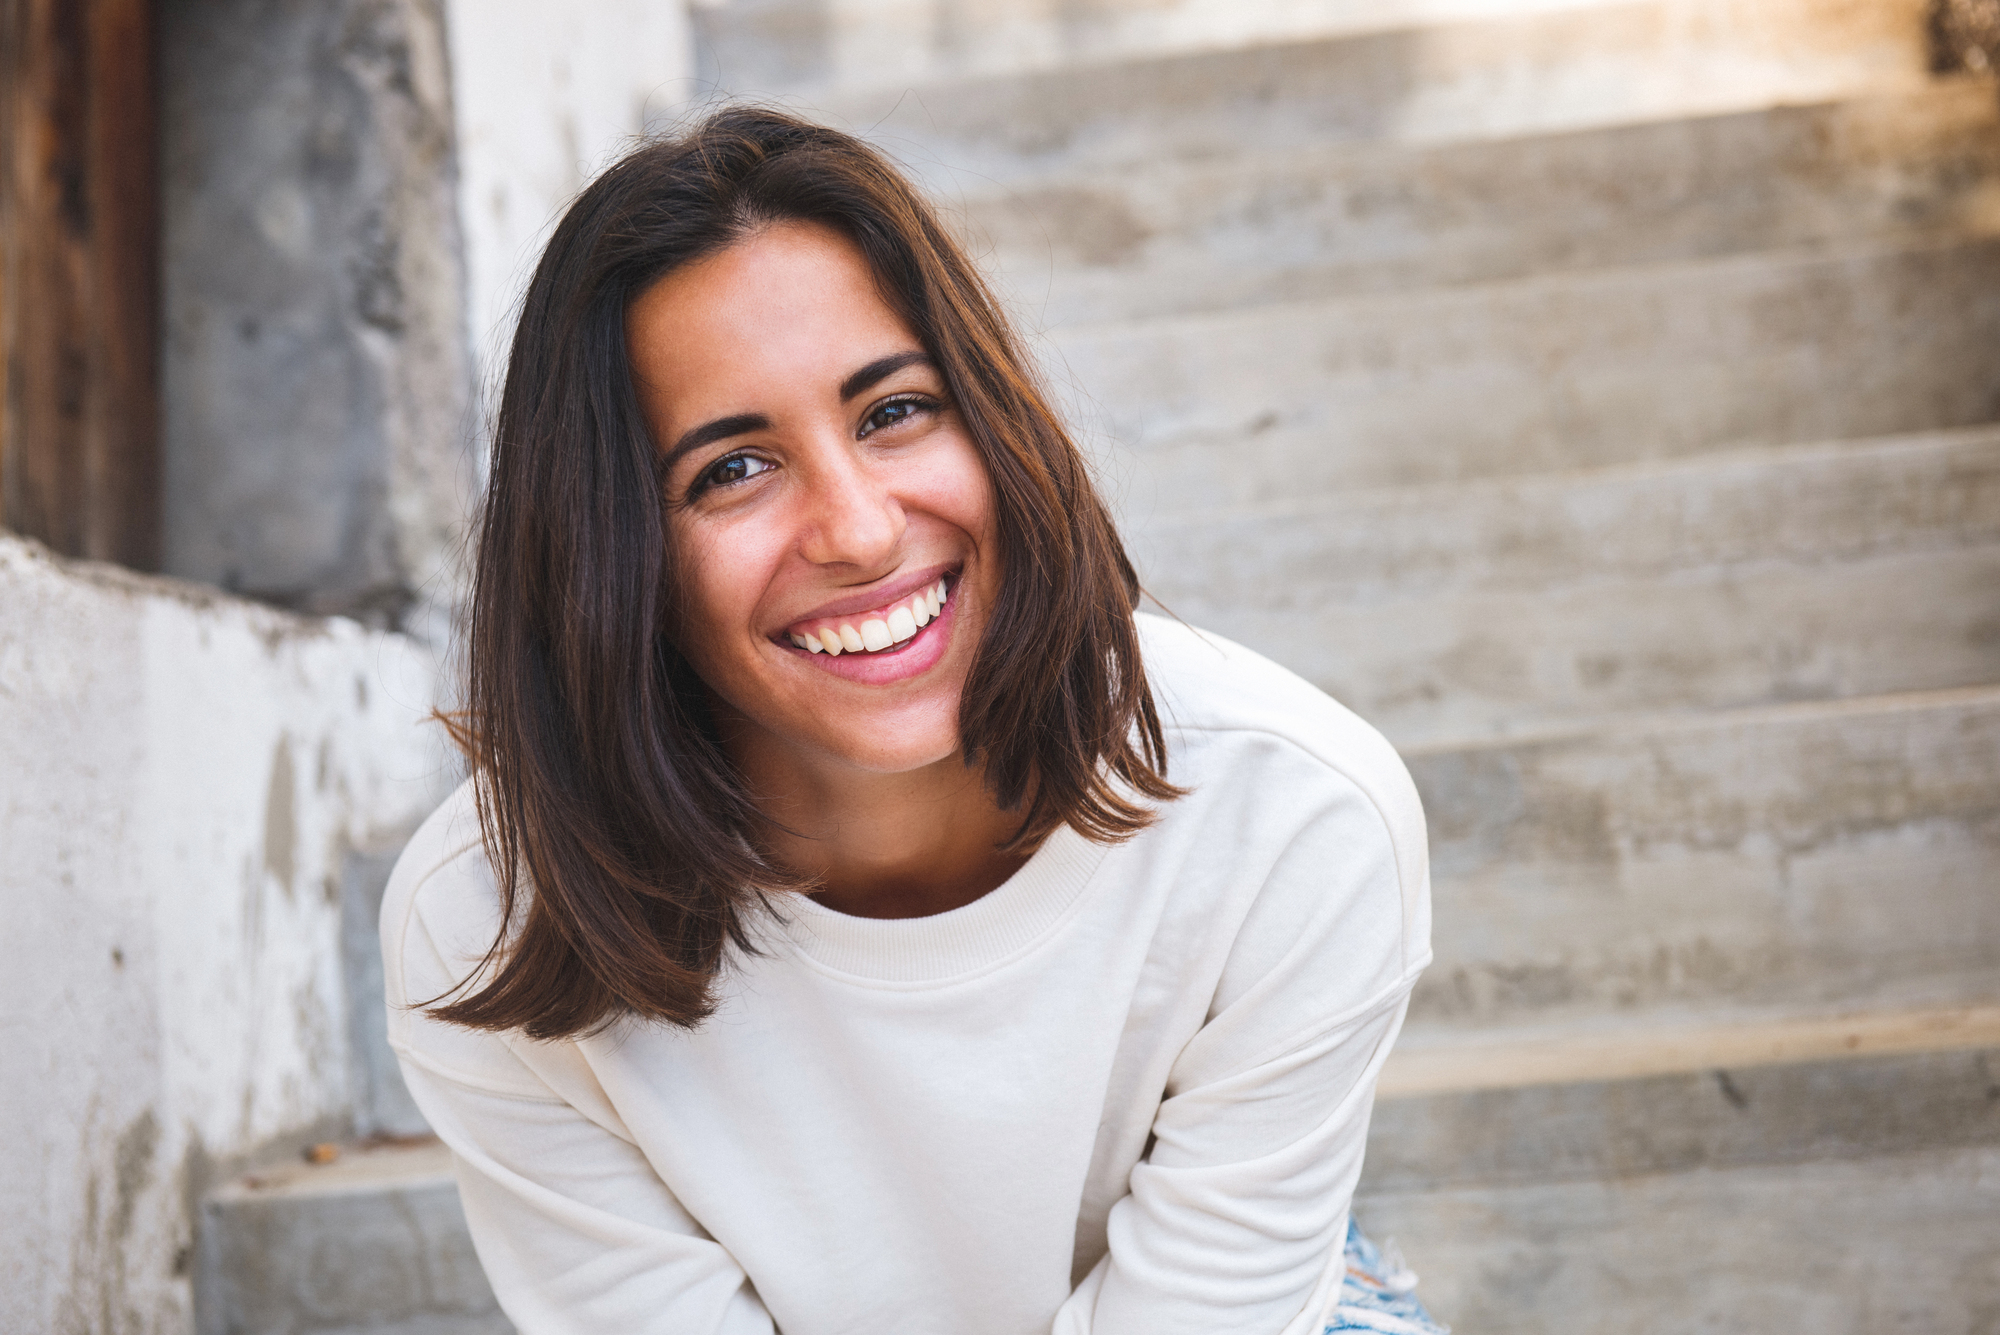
{"x": 859, "y": 919}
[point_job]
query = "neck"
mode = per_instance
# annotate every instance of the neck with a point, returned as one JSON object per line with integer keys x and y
{"x": 903, "y": 845}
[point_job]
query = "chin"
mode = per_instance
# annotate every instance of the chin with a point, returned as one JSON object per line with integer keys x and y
{"x": 905, "y": 755}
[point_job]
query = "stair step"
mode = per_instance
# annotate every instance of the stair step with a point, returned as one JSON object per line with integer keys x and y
{"x": 1441, "y": 1060}
{"x": 1472, "y": 664}
{"x": 374, "y": 1243}
{"x": 1715, "y": 1118}
{"x": 1567, "y": 371}
{"x": 1827, "y": 854}
{"x": 781, "y": 43}
{"x": 1895, "y": 1242}
{"x": 1607, "y": 1099}
{"x": 1171, "y": 236}
{"x": 1847, "y": 569}
{"x": 1489, "y": 78}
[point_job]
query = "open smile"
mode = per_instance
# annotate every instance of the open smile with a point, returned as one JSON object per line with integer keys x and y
{"x": 895, "y": 640}
{"x": 877, "y": 630}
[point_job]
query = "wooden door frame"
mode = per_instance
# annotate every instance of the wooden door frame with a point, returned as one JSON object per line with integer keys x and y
{"x": 79, "y": 277}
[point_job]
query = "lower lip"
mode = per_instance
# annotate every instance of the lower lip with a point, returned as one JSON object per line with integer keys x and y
{"x": 910, "y": 658}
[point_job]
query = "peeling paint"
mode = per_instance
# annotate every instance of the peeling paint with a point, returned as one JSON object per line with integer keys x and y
{"x": 104, "y": 1295}
{"x": 280, "y": 817}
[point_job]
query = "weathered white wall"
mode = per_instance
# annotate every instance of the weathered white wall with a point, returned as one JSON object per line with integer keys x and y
{"x": 546, "y": 95}
{"x": 182, "y": 778}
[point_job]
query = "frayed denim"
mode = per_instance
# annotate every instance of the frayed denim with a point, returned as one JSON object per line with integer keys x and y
{"x": 1379, "y": 1293}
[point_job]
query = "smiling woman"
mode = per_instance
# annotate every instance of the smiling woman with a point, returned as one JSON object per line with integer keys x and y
{"x": 813, "y": 530}
{"x": 819, "y": 944}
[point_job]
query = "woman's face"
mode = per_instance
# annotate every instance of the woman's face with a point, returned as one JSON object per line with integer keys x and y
{"x": 820, "y": 491}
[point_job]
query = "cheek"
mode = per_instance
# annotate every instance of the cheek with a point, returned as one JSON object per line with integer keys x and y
{"x": 724, "y": 572}
{"x": 957, "y": 490}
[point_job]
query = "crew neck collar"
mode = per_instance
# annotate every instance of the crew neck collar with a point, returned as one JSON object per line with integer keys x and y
{"x": 997, "y": 925}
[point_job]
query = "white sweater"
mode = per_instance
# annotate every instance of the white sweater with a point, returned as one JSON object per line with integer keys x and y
{"x": 1126, "y": 1092}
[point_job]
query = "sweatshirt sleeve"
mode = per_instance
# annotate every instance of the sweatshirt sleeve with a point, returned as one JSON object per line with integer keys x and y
{"x": 575, "y": 1230}
{"x": 1236, "y": 1216}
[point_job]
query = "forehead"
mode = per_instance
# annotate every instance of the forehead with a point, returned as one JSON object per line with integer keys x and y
{"x": 791, "y": 306}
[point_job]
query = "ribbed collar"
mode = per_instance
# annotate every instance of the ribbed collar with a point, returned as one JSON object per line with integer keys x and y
{"x": 999, "y": 924}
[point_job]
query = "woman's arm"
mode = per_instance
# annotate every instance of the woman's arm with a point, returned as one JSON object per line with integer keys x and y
{"x": 577, "y": 1233}
{"x": 1235, "y": 1220}
{"x": 1236, "y": 1217}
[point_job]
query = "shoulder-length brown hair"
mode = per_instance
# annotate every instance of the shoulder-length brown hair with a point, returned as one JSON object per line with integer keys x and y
{"x": 603, "y": 790}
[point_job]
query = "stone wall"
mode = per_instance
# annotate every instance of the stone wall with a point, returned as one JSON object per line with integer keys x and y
{"x": 315, "y": 364}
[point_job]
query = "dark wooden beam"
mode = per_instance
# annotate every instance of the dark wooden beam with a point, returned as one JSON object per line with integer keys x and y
{"x": 79, "y": 282}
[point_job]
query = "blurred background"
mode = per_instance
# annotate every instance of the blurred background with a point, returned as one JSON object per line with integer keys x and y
{"x": 1600, "y": 396}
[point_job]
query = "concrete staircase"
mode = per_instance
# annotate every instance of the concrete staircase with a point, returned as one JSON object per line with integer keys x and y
{"x": 1603, "y": 398}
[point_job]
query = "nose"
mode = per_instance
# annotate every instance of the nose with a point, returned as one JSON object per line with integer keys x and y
{"x": 852, "y": 517}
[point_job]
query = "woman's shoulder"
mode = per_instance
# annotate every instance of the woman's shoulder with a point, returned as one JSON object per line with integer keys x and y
{"x": 442, "y": 900}
{"x": 1293, "y": 792}
{"x": 1211, "y": 689}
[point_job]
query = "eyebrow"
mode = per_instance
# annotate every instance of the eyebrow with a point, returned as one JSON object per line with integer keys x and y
{"x": 877, "y": 371}
{"x": 722, "y": 428}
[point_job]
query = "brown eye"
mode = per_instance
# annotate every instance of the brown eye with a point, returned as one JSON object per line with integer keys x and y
{"x": 734, "y": 468}
{"x": 893, "y": 412}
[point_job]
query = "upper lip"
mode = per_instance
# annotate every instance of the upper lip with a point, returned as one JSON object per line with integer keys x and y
{"x": 881, "y": 596}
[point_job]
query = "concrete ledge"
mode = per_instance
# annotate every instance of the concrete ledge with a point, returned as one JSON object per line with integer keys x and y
{"x": 372, "y": 1244}
{"x": 1607, "y": 1099}
{"x": 1446, "y": 1063}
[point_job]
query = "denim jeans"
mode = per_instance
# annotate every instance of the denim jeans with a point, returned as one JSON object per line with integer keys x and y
{"x": 1379, "y": 1293}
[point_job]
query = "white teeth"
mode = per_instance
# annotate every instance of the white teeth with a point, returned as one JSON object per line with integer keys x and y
{"x": 878, "y": 633}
